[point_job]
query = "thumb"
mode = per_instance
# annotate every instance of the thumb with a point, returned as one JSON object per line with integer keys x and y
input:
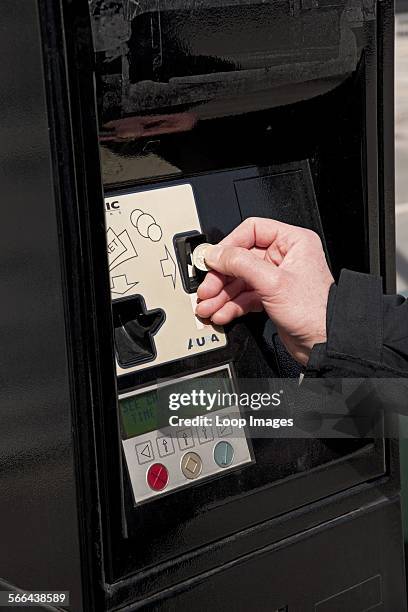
{"x": 242, "y": 263}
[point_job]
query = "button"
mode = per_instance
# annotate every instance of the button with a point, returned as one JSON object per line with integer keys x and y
{"x": 165, "y": 446}
{"x": 144, "y": 452}
{"x": 191, "y": 465}
{"x": 157, "y": 476}
{"x": 205, "y": 434}
{"x": 223, "y": 454}
{"x": 185, "y": 438}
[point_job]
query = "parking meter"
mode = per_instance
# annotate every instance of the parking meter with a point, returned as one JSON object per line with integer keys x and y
{"x": 133, "y": 132}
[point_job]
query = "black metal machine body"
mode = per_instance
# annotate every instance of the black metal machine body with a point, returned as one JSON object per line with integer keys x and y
{"x": 188, "y": 117}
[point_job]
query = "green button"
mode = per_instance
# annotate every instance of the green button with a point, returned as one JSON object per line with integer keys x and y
{"x": 223, "y": 454}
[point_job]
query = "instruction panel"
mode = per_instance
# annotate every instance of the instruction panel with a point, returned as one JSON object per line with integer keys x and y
{"x": 153, "y": 313}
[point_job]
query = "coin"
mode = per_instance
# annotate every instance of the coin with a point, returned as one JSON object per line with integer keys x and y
{"x": 198, "y": 257}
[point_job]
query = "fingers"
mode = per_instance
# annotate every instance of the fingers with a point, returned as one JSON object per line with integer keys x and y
{"x": 211, "y": 285}
{"x": 209, "y": 306}
{"x": 253, "y": 252}
{"x": 243, "y": 264}
{"x": 214, "y": 281}
{"x": 260, "y": 232}
{"x": 244, "y": 303}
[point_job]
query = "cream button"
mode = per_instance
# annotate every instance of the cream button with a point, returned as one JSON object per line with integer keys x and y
{"x": 191, "y": 465}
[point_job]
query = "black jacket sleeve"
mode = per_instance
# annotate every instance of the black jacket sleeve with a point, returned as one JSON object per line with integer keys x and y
{"x": 367, "y": 332}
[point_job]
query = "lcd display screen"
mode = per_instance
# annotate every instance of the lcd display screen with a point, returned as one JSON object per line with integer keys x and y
{"x": 148, "y": 410}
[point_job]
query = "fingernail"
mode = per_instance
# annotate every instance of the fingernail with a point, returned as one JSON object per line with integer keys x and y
{"x": 212, "y": 254}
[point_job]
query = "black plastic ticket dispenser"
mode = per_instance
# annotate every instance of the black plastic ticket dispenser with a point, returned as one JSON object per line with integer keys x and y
{"x": 165, "y": 125}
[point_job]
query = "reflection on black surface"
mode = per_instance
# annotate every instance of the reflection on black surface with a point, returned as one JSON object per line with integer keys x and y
{"x": 181, "y": 54}
{"x": 185, "y": 89}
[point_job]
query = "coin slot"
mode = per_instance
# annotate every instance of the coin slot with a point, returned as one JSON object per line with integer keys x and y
{"x": 184, "y": 245}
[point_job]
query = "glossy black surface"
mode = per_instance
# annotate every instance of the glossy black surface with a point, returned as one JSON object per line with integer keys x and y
{"x": 134, "y": 329}
{"x": 39, "y": 532}
{"x": 195, "y": 97}
{"x": 220, "y": 57}
{"x": 267, "y": 109}
{"x": 303, "y": 573}
{"x": 275, "y": 104}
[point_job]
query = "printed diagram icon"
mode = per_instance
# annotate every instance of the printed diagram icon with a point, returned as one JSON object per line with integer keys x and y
{"x": 120, "y": 284}
{"x": 120, "y": 248}
{"x": 168, "y": 266}
{"x": 146, "y": 225}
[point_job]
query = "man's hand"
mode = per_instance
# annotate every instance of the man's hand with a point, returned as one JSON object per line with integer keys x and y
{"x": 268, "y": 265}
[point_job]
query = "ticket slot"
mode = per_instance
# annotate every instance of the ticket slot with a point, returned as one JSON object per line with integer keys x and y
{"x": 134, "y": 330}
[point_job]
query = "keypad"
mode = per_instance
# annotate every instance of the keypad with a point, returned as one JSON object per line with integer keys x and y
{"x": 165, "y": 460}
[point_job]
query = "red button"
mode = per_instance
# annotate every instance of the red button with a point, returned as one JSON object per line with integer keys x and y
{"x": 157, "y": 476}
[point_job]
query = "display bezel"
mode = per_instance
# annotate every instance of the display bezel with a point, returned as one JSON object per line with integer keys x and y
{"x": 154, "y": 389}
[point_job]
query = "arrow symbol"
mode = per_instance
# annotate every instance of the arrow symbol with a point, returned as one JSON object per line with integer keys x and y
{"x": 168, "y": 267}
{"x": 120, "y": 285}
{"x": 146, "y": 451}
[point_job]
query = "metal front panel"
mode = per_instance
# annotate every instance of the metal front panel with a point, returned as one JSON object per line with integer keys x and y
{"x": 168, "y": 446}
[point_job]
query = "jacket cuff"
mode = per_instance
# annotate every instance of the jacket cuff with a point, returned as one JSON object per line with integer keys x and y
{"x": 354, "y": 320}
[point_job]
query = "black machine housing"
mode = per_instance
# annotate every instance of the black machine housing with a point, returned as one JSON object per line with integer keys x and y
{"x": 280, "y": 109}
